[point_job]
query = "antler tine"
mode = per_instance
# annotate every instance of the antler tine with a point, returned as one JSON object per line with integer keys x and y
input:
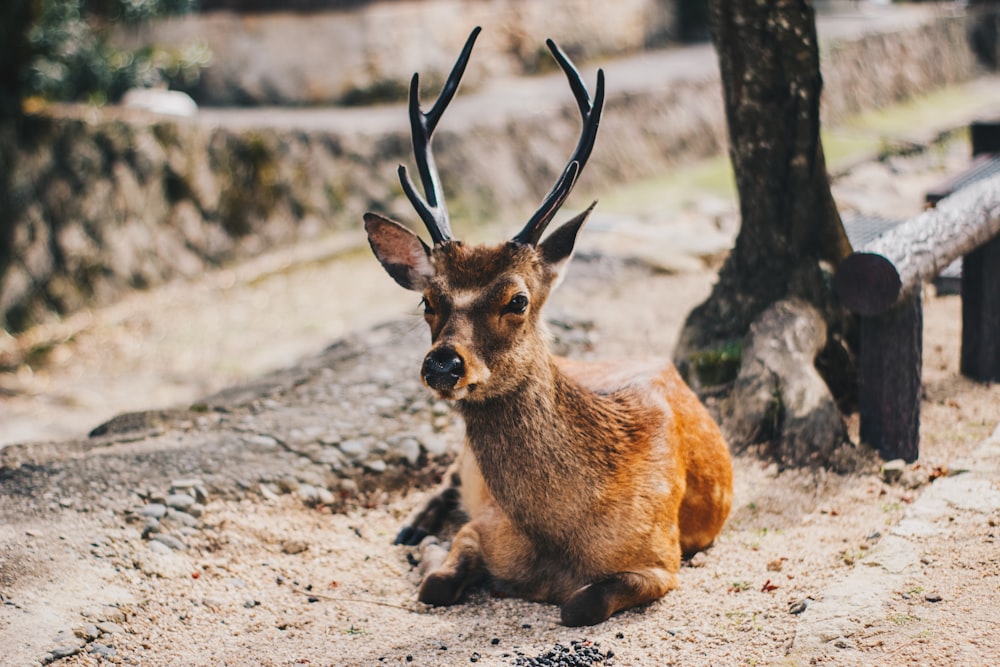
{"x": 590, "y": 112}
{"x": 432, "y": 210}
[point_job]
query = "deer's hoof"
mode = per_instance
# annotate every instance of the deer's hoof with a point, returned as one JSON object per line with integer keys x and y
{"x": 410, "y": 536}
{"x": 589, "y": 605}
{"x": 440, "y": 590}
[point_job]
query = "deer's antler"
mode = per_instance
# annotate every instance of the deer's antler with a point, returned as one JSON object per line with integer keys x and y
{"x": 432, "y": 211}
{"x": 590, "y": 112}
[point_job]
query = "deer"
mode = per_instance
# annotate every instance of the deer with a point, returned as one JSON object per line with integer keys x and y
{"x": 583, "y": 482}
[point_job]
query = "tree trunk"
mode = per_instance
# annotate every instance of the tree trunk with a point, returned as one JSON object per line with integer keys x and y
{"x": 779, "y": 392}
{"x": 16, "y": 17}
{"x": 791, "y": 236}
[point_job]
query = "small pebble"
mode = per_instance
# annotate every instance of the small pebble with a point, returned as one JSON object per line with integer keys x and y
{"x": 288, "y": 484}
{"x": 109, "y": 628}
{"x": 261, "y": 440}
{"x": 355, "y": 449}
{"x": 180, "y": 501}
{"x": 158, "y": 547}
{"x": 308, "y": 494}
{"x": 294, "y": 546}
{"x": 151, "y": 526}
{"x": 324, "y": 496}
{"x": 186, "y": 484}
{"x": 933, "y": 597}
{"x": 112, "y": 614}
{"x": 180, "y": 517}
{"x": 153, "y": 510}
{"x": 67, "y": 646}
{"x": 170, "y": 541}
{"x": 409, "y": 449}
{"x": 102, "y": 651}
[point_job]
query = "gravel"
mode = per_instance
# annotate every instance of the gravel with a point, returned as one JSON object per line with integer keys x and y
{"x": 577, "y": 654}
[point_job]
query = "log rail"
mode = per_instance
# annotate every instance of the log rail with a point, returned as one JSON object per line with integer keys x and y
{"x": 882, "y": 282}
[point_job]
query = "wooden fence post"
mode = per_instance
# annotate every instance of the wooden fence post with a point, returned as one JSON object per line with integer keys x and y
{"x": 889, "y": 378}
{"x": 980, "y": 358}
{"x": 882, "y": 282}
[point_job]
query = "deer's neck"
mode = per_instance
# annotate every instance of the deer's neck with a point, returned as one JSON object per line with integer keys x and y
{"x": 532, "y": 444}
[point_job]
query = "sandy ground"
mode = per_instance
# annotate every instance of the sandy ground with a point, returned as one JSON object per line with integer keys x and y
{"x": 812, "y": 568}
{"x": 269, "y": 579}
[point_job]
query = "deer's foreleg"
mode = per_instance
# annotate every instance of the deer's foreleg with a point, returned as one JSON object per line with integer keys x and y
{"x": 430, "y": 518}
{"x": 595, "y": 602}
{"x": 463, "y": 566}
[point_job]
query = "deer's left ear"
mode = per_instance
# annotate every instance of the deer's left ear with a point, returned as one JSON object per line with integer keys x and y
{"x": 557, "y": 248}
{"x": 401, "y": 252}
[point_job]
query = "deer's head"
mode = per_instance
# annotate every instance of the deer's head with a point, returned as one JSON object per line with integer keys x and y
{"x": 482, "y": 303}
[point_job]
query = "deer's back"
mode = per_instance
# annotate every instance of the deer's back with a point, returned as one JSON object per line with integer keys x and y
{"x": 702, "y": 453}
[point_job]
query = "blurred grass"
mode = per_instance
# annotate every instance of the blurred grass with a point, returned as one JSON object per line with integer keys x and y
{"x": 864, "y": 136}
{"x": 675, "y": 189}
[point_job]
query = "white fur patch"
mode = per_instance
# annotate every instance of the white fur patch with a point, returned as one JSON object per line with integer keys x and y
{"x": 464, "y": 298}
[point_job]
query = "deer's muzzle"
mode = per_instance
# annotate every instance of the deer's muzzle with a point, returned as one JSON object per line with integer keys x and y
{"x": 443, "y": 368}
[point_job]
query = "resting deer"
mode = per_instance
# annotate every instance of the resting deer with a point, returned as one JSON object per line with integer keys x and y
{"x": 584, "y": 483}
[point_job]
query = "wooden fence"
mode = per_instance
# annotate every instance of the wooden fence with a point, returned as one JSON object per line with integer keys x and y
{"x": 882, "y": 282}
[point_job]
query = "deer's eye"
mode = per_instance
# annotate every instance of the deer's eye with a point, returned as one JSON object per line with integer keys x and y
{"x": 428, "y": 309}
{"x": 517, "y": 304}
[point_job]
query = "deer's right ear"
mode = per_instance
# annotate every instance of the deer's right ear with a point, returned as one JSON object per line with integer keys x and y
{"x": 402, "y": 253}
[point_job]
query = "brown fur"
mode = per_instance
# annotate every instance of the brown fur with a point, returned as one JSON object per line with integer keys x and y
{"x": 584, "y": 482}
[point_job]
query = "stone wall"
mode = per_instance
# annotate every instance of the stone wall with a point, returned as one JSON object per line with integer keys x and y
{"x": 371, "y": 51}
{"x": 114, "y": 202}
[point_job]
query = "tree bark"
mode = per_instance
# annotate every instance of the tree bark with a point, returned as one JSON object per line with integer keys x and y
{"x": 889, "y": 387}
{"x": 779, "y": 391}
{"x": 16, "y": 16}
{"x": 791, "y": 235}
{"x": 980, "y": 358}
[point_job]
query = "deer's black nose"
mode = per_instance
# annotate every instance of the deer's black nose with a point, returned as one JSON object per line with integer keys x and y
{"x": 443, "y": 368}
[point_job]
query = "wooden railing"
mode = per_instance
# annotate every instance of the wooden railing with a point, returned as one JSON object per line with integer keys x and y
{"x": 882, "y": 282}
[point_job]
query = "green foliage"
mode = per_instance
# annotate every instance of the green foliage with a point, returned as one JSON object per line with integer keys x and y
{"x": 72, "y": 58}
{"x": 718, "y": 366}
{"x": 137, "y": 11}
